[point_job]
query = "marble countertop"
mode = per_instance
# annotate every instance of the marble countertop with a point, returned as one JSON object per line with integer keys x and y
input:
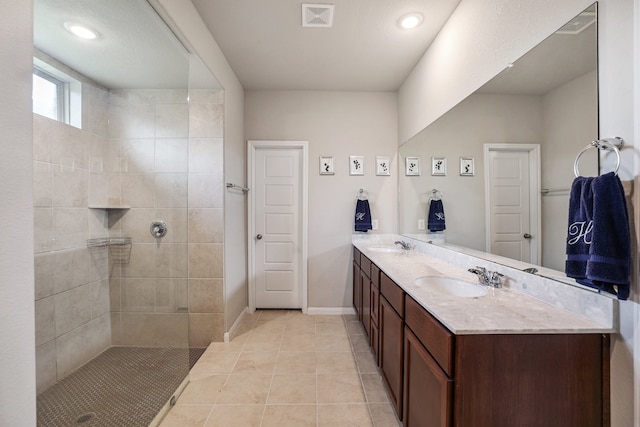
{"x": 501, "y": 311}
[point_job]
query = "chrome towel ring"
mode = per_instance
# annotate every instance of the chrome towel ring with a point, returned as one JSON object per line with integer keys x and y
{"x": 602, "y": 144}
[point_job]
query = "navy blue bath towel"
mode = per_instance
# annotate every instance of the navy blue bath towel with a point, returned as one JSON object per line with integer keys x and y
{"x": 602, "y": 229}
{"x": 435, "y": 220}
{"x": 363, "y": 216}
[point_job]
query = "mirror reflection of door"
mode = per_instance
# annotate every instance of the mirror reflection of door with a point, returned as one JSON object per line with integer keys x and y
{"x": 512, "y": 201}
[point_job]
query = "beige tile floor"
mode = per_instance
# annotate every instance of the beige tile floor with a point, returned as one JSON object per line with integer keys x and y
{"x": 285, "y": 368}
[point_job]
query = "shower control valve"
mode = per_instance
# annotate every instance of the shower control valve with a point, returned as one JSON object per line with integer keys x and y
{"x": 158, "y": 229}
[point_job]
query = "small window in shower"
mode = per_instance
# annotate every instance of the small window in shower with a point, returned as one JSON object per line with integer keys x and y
{"x": 56, "y": 95}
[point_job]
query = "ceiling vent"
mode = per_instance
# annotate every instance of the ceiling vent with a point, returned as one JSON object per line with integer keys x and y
{"x": 579, "y": 23}
{"x": 317, "y": 15}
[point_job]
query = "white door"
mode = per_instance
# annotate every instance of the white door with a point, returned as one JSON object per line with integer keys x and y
{"x": 277, "y": 227}
{"x": 512, "y": 196}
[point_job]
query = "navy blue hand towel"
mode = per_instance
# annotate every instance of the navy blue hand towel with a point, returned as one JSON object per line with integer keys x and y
{"x": 579, "y": 230}
{"x": 610, "y": 252}
{"x": 435, "y": 221}
{"x": 363, "y": 216}
{"x": 599, "y": 241}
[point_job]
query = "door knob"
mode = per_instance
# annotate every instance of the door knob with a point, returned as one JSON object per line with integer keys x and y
{"x": 259, "y": 236}
{"x": 527, "y": 236}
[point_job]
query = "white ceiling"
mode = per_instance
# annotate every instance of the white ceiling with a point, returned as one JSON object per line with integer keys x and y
{"x": 268, "y": 48}
{"x": 135, "y": 49}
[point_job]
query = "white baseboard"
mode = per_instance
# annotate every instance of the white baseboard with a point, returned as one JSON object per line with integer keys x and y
{"x": 331, "y": 310}
{"x": 228, "y": 336}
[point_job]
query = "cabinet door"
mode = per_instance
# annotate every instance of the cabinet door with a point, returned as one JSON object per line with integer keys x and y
{"x": 357, "y": 290}
{"x": 375, "y": 305}
{"x": 391, "y": 352}
{"x": 366, "y": 305}
{"x": 427, "y": 389}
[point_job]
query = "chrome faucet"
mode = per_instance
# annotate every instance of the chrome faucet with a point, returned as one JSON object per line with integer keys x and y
{"x": 488, "y": 278}
{"x": 406, "y": 246}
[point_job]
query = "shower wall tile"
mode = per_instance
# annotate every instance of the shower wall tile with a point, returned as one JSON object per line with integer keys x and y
{"x": 98, "y": 110}
{"x": 45, "y": 366}
{"x": 137, "y": 155}
{"x": 70, "y": 187}
{"x": 42, "y": 138}
{"x": 171, "y": 190}
{"x": 70, "y": 228}
{"x": 71, "y": 147}
{"x": 206, "y": 190}
{"x": 206, "y": 155}
{"x": 206, "y": 96}
{"x": 172, "y": 295}
{"x": 115, "y": 292}
{"x": 172, "y": 155}
{"x": 171, "y": 260}
{"x": 77, "y": 267}
{"x": 206, "y": 225}
{"x": 153, "y": 329}
{"x": 132, "y": 121}
{"x": 105, "y": 154}
{"x": 43, "y": 266}
{"x": 138, "y": 190}
{"x": 172, "y": 121}
{"x": 205, "y": 260}
{"x": 176, "y": 219}
{"x": 72, "y": 309}
{"x": 138, "y": 295}
{"x": 45, "y": 320}
{"x": 205, "y": 329}
{"x": 82, "y": 344}
{"x": 206, "y": 120}
{"x": 100, "y": 298}
{"x": 206, "y": 296}
{"x": 42, "y": 229}
{"x": 42, "y": 184}
{"x": 141, "y": 262}
{"x": 98, "y": 189}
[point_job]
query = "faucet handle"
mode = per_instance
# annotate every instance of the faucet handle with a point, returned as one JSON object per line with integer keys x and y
{"x": 496, "y": 279}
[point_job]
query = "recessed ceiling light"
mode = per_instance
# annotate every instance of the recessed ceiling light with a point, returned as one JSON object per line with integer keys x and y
{"x": 81, "y": 31}
{"x": 411, "y": 20}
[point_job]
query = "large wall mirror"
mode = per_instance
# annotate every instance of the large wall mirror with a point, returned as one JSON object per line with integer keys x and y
{"x": 508, "y": 152}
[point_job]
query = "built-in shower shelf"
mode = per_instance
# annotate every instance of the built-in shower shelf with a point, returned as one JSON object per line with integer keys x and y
{"x": 99, "y": 242}
{"x": 114, "y": 207}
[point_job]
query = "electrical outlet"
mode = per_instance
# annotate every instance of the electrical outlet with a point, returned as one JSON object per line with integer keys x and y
{"x": 374, "y": 224}
{"x": 421, "y": 224}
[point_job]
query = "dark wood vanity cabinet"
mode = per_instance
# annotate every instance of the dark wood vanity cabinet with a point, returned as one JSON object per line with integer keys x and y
{"x": 438, "y": 379}
{"x": 392, "y": 339}
{"x": 551, "y": 380}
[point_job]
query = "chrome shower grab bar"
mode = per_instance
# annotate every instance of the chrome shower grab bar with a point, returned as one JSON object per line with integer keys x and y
{"x": 601, "y": 144}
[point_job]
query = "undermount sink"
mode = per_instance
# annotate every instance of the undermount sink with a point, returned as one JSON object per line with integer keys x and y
{"x": 451, "y": 286}
{"x": 388, "y": 249}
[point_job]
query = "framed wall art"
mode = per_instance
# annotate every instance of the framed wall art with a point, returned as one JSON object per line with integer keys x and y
{"x": 412, "y": 166}
{"x": 326, "y": 165}
{"x": 356, "y": 165}
{"x": 438, "y": 166}
{"x": 466, "y": 166}
{"x": 383, "y": 166}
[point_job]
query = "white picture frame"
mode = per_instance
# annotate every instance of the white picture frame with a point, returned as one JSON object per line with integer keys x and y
{"x": 467, "y": 167}
{"x": 356, "y": 165}
{"x": 412, "y": 166}
{"x": 326, "y": 165}
{"x": 438, "y": 166}
{"x": 383, "y": 166}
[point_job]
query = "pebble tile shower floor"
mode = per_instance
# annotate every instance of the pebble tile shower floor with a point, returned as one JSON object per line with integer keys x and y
{"x": 286, "y": 369}
{"x": 122, "y": 387}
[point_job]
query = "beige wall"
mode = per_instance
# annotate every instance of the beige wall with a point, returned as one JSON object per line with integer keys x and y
{"x": 71, "y": 281}
{"x": 17, "y": 370}
{"x": 337, "y": 124}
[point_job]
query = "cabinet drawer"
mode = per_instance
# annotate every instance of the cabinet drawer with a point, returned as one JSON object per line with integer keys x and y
{"x": 365, "y": 265}
{"x": 436, "y": 338}
{"x": 356, "y": 256}
{"x": 393, "y": 293}
{"x": 375, "y": 276}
